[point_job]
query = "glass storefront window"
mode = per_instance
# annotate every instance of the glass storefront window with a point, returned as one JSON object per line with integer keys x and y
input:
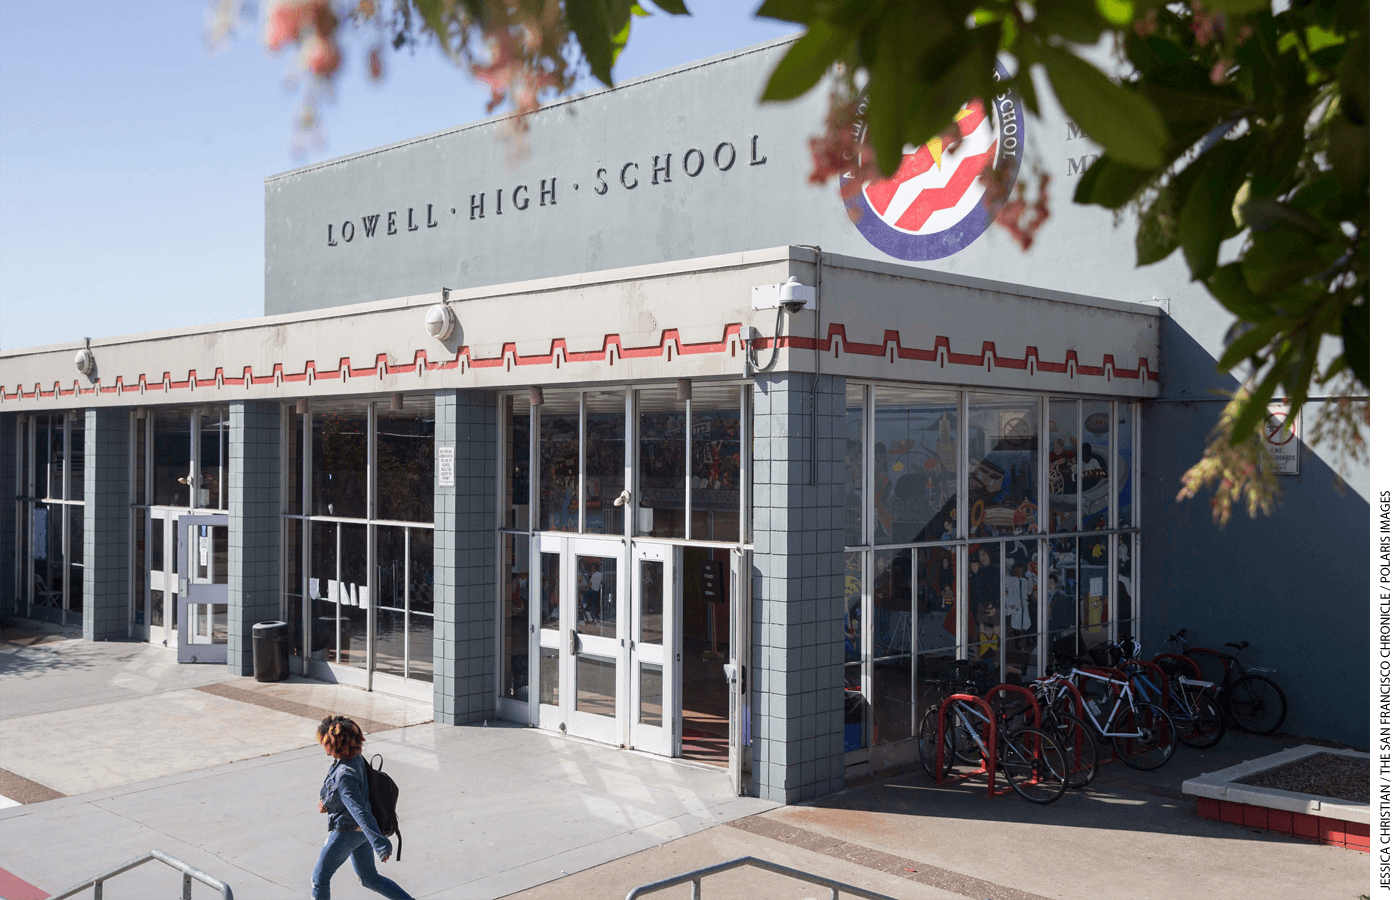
{"x": 213, "y": 460}
{"x": 661, "y": 481}
{"x": 1125, "y": 465}
{"x": 1062, "y": 449}
{"x": 1003, "y": 486}
{"x": 515, "y": 604}
{"x": 420, "y": 604}
{"x": 404, "y": 462}
{"x": 76, "y": 452}
{"x": 936, "y": 608}
{"x": 892, "y": 598}
{"x": 915, "y": 462}
{"x": 605, "y": 465}
{"x": 339, "y": 448}
{"x": 170, "y": 455}
{"x": 857, "y": 705}
{"x": 1123, "y": 587}
{"x": 855, "y": 465}
{"x": 559, "y": 461}
{"x": 984, "y": 595}
{"x": 391, "y": 616}
{"x": 517, "y": 460}
{"x": 292, "y": 460}
{"x": 292, "y": 586}
{"x": 715, "y": 456}
{"x": 1095, "y": 488}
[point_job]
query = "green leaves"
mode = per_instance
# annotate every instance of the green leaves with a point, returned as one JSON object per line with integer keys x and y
{"x": 1127, "y": 127}
{"x": 1205, "y": 212}
{"x": 806, "y": 62}
{"x": 602, "y": 28}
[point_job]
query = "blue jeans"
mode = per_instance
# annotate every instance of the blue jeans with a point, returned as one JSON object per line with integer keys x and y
{"x": 341, "y": 845}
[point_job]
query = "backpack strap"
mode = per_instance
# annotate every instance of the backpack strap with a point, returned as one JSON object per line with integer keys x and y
{"x": 399, "y": 858}
{"x": 380, "y": 757}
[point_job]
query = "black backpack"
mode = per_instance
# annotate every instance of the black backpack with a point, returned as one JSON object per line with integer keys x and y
{"x": 383, "y": 801}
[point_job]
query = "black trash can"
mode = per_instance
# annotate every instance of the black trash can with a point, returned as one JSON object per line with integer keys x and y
{"x": 270, "y": 651}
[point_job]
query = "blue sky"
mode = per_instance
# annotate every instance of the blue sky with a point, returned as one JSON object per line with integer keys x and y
{"x": 132, "y": 157}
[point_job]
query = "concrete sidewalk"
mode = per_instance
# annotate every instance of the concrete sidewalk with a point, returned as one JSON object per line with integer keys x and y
{"x": 502, "y": 810}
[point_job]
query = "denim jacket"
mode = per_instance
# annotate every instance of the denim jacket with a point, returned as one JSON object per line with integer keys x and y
{"x": 345, "y": 794}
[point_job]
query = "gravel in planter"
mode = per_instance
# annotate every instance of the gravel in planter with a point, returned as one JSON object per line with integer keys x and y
{"x": 1322, "y": 774}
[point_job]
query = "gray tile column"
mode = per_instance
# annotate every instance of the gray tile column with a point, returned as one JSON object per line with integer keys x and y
{"x": 9, "y": 488}
{"x": 106, "y": 523}
{"x": 798, "y": 614}
{"x": 254, "y": 558}
{"x": 464, "y": 559}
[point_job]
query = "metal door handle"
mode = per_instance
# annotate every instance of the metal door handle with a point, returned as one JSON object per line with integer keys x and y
{"x": 573, "y": 642}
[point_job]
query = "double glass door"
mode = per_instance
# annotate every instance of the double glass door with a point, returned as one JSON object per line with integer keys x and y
{"x": 607, "y": 650}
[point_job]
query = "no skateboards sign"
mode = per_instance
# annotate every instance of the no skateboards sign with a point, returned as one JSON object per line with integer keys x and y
{"x": 1283, "y": 442}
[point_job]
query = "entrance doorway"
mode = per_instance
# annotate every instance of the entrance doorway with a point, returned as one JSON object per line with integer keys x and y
{"x": 607, "y": 656}
{"x": 202, "y": 567}
{"x": 705, "y": 623}
{"x": 156, "y": 606}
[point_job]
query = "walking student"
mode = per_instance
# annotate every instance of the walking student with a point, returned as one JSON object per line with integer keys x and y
{"x": 353, "y": 834}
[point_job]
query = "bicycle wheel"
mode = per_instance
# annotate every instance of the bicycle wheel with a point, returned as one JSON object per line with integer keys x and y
{"x": 1202, "y": 724}
{"x": 1153, "y": 739}
{"x": 928, "y": 742}
{"x": 1081, "y": 750}
{"x": 963, "y": 746}
{"x": 1256, "y": 704}
{"x": 1034, "y": 764}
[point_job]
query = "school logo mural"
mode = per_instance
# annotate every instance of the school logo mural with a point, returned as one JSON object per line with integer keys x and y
{"x": 934, "y": 206}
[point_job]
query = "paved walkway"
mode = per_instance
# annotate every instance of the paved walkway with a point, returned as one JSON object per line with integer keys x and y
{"x": 223, "y": 772}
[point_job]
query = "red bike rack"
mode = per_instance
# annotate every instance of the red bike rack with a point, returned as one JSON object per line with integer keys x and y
{"x": 991, "y": 740}
{"x": 1016, "y": 689}
{"x": 1185, "y": 662}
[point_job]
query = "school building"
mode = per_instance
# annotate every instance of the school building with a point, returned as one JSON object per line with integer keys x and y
{"x": 622, "y": 428}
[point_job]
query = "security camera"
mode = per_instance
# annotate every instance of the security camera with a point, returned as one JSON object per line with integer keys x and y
{"x": 792, "y": 297}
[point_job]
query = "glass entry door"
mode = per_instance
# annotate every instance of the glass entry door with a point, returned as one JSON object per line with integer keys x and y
{"x": 582, "y": 648}
{"x": 156, "y": 609}
{"x": 203, "y": 573}
{"x": 606, "y": 650}
{"x": 654, "y": 651}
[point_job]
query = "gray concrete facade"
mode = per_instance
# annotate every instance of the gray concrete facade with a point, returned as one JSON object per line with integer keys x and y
{"x": 106, "y": 515}
{"x": 464, "y": 558}
{"x": 254, "y": 557}
{"x": 1293, "y": 584}
{"x": 798, "y": 613}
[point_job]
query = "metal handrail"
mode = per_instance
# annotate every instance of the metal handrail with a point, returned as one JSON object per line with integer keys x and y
{"x": 836, "y": 887}
{"x": 189, "y": 871}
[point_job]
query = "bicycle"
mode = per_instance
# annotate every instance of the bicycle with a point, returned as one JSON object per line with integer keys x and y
{"x": 1190, "y": 702}
{"x": 1076, "y": 738}
{"x": 1143, "y": 735}
{"x": 1251, "y": 701}
{"x": 1030, "y": 758}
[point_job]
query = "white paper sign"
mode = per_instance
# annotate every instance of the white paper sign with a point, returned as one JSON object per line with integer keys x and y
{"x": 446, "y": 467}
{"x": 1283, "y": 443}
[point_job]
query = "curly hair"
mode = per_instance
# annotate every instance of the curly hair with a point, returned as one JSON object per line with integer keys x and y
{"x": 341, "y": 736}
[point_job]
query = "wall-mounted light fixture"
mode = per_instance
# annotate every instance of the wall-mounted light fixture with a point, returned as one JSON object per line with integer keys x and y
{"x": 207, "y": 411}
{"x": 396, "y": 400}
{"x": 683, "y": 390}
{"x": 439, "y": 321}
{"x": 140, "y": 413}
{"x": 85, "y": 362}
{"x": 301, "y": 407}
{"x": 536, "y": 395}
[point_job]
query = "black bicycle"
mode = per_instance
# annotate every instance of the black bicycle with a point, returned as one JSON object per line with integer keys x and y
{"x": 1250, "y": 700}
